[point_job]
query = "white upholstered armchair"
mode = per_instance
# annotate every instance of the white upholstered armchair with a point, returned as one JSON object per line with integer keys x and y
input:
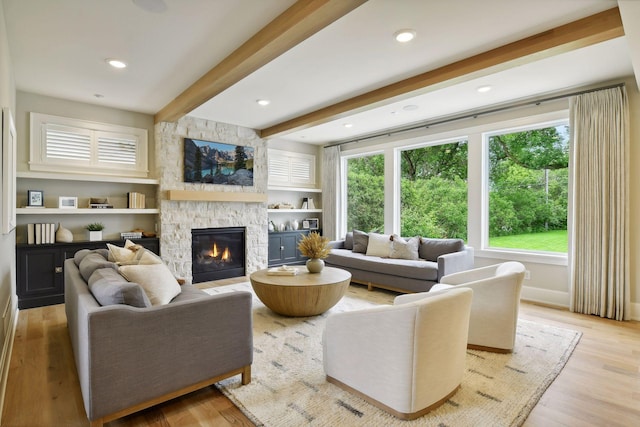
{"x": 406, "y": 359}
{"x": 496, "y": 300}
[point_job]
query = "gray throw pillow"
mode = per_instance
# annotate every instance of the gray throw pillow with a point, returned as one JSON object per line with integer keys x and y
{"x": 108, "y": 287}
{"x": 405, "y": 249}
{"x": 91, "y": 262}
{"x": 348, "y": 241}
{"x": 360, "y": 241}
{"x": 431, "y": 249}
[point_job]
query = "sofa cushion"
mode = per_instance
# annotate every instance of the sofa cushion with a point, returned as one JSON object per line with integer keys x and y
{"x": 79, "y": 256}
{"x": 379, "y": 245}
{"x": 415, "y": 269}
{"x": 91, "y": 262}
{"x": 132, "y": 253}
{"x": 431, "y": 249}
{"x": 109, "y": 287}
{"x": 156, "y": 280}
{"x": 360, "y": 241}
{"x": 348, "y": 241}
{"x": 405, "y": 249}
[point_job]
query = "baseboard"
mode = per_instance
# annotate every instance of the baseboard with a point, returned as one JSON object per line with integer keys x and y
{"x": 561, "y": 299}
{"x": 5, "y": 358}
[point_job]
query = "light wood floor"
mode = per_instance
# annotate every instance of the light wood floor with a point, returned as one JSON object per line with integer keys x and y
{"x": 599, "y": 386}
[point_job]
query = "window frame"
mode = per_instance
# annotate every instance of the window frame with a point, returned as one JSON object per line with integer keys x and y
{"x": 559, "y": 118}
{"x": 94, "y": 131}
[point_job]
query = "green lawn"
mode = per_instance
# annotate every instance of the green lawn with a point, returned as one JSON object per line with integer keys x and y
{"x": 552, "y": 241}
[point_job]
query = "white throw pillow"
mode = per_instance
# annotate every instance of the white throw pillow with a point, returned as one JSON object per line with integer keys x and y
{"x": 405, "y": 249}
{"x": 132, "y": 253}
{"x": 379, "y": 245}
{"x": 156, "y": 280}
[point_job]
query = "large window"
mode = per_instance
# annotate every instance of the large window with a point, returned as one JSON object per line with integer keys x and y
{"x": 528, "y": 188}
{"x": 365, "y": 193}
{"x": 433, "y": 199}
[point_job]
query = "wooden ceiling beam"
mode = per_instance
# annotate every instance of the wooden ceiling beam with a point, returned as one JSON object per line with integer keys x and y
{"x": 594, "y": 29}
{"x": 299, "y": 22}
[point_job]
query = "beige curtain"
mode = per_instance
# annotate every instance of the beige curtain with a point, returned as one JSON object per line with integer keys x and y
{"x": 330, "y": 191}
{"x": 600, "y": 240}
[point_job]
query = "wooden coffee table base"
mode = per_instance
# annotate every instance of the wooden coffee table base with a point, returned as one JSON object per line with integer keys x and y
{"x": 304, "y": 294}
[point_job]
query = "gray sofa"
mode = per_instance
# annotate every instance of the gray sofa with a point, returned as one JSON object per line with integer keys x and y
{"x": 129, "y": 358}
{"x": 437, "y": 258}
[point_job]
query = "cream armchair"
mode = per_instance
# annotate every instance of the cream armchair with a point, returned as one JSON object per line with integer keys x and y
{"x": 496, "y": 300}
{"x": 406, "y": 359}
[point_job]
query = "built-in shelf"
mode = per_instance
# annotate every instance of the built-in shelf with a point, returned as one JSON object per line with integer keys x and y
{"x": 294, "y": 210}
{"x": 56, "y": 211}
{"x": 91, "y": 178}
{"x": 296, "y": 189}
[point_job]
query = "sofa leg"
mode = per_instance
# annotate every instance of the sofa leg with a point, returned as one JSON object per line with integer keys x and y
{"x": 246, "y": 375}
{"x": 369, "y": 286}
{"x": 96, "y": 423}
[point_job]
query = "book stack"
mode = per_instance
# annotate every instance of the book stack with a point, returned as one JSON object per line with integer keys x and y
{"x": 307, "y": 203}
{"x": 136, "y": 200}
{"x": 39, "y": 234}
{"x": 100, "y": 203}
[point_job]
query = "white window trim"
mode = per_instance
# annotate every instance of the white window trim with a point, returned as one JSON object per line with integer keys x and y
{"x": 37, "y": 151}
{"x": 523, "y": 124}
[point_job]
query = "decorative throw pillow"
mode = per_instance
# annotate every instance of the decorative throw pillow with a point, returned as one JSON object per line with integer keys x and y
{"x": 405, "y": 249}
{"x": 132, "y": 253}
{"x": 360, "y": 241}
{"x": 156, "y": 280}
{"x": 108, "y": 288}
{"x": 431, "y": 249}
{"x": 379, "y": 245}
{"x": 348, "y": 241}
{"x": 91, "y": 262}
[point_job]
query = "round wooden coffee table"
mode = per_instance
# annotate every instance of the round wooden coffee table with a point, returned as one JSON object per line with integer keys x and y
{"x": 304, "y": 294}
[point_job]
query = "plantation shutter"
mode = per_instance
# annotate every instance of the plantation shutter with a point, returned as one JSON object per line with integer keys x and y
{"x": 67, "y": 143}
{"x": 117, "y": 149}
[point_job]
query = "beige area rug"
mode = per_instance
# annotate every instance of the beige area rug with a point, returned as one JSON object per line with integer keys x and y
{"x": 288, "y": 386}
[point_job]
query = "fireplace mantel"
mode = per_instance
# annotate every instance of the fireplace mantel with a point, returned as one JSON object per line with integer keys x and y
{"x": 215, "y": 196}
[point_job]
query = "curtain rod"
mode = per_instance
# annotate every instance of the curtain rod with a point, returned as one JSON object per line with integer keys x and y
{"x": 428, "y": 124}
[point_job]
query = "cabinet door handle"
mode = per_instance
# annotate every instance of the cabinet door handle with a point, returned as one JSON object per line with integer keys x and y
{"x": 282, "y": 248}
{"x": 58, "y": 270}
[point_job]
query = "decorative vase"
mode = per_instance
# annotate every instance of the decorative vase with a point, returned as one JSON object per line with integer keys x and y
{"x": 294, "y": 224}
{"x": 315, "y": 265}
{"x": 63, "y": 234}
{"x": 95, "y": 236}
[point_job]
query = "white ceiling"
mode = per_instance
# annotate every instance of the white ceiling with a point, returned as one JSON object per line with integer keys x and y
{"x": 58, "y": 48}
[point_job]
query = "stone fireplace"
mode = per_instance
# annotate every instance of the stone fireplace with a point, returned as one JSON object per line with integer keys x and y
{"x": 178, "y": 217}
{"x": 217, "y": 253}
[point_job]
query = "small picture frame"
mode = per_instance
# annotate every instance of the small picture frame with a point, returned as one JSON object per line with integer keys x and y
{"x": 305, "y": 224}
{"x": 65, "y": 202}
{"x": 313, "y": 223}
{"x": 35, "y": 198}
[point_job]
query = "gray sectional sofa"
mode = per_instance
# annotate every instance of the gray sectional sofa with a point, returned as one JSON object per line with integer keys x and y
{"x": 435, "y": 258}
{"x": 130, "y": 356}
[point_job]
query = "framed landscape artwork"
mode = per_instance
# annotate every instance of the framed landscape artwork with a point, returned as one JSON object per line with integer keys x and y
{"x": 210, "y": 162}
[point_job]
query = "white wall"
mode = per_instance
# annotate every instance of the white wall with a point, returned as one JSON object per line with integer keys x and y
{"x": 8, "y": 300}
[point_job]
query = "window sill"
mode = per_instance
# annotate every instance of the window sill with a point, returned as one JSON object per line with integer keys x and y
{"x": 524, "y": 256}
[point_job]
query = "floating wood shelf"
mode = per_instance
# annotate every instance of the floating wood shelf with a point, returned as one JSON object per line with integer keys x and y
{"x": 215, "y": 196}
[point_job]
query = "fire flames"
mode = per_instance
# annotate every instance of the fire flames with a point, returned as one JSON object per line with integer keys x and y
{"x": 215, "y": 253}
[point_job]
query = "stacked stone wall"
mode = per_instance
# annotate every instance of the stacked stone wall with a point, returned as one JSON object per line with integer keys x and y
{"x": 177, "y": 218}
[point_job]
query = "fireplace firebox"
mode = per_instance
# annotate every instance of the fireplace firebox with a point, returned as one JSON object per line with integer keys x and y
{"x": 217, "y": 253}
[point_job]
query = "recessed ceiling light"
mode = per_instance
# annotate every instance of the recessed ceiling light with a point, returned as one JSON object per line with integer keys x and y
{"x": 484, "y": 89}
{"x": 348, "y": 125}
{"x": 263, "y": 102}
{"x": 98, "y": 95}
{"x": 116, "y": 63}
{"x": 403, "y": 36}
{"x": 410, "y": 107}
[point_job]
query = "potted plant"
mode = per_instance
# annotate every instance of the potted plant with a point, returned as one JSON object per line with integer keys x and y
{"x": 316, "y": 248}
{"x": 95, "y": 231}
